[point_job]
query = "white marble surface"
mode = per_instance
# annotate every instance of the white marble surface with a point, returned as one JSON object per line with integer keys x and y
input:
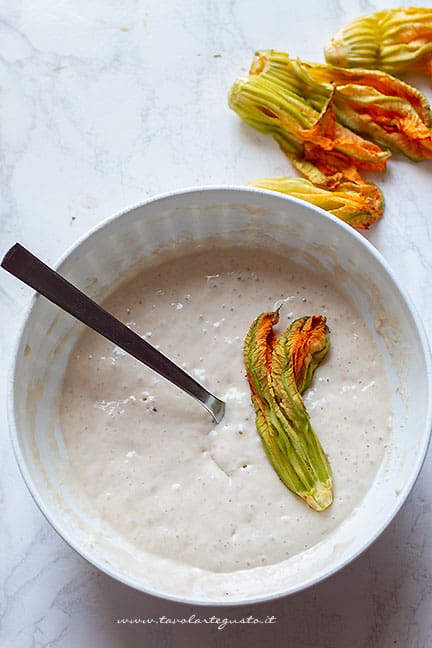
{"x": 105, "y": 103}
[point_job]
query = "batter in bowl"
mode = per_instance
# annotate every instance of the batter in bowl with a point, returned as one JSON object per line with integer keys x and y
{"x": 151, "y": 462}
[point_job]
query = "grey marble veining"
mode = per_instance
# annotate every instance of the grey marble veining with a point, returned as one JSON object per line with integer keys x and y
{"x": 103, "y": 104}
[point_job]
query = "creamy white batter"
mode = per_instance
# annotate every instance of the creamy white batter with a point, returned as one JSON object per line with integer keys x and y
{"x": 149, "y": 458}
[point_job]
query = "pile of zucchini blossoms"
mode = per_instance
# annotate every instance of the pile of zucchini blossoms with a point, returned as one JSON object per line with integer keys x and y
{"x": 337, "y": 120}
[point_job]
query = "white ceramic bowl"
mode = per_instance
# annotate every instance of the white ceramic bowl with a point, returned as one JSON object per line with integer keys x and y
{"x": 239, "y": 214}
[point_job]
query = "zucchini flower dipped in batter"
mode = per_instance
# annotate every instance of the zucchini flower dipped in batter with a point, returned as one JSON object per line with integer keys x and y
{"x": 393, "y": 40}
{"x": 359, "y": 205}
{"x": 278, "y": 372}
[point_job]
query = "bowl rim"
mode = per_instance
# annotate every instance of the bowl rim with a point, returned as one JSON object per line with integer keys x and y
{"x": 310, "y": 581}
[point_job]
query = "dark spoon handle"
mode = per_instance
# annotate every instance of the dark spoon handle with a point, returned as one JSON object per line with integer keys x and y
{"x": 33, "y": 272}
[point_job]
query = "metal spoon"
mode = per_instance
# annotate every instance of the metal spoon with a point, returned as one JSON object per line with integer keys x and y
{"x": 33, "y": 272}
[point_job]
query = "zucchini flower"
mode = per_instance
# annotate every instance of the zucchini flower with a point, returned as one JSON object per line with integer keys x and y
{"x": 369, "y": 102}
{"x": 311, "y": 137}
{"x": 358, "y": 204}
{"x": 278, "y": 371}
{"x": 376, "y": 105}
{"x": 393, "y": 40}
